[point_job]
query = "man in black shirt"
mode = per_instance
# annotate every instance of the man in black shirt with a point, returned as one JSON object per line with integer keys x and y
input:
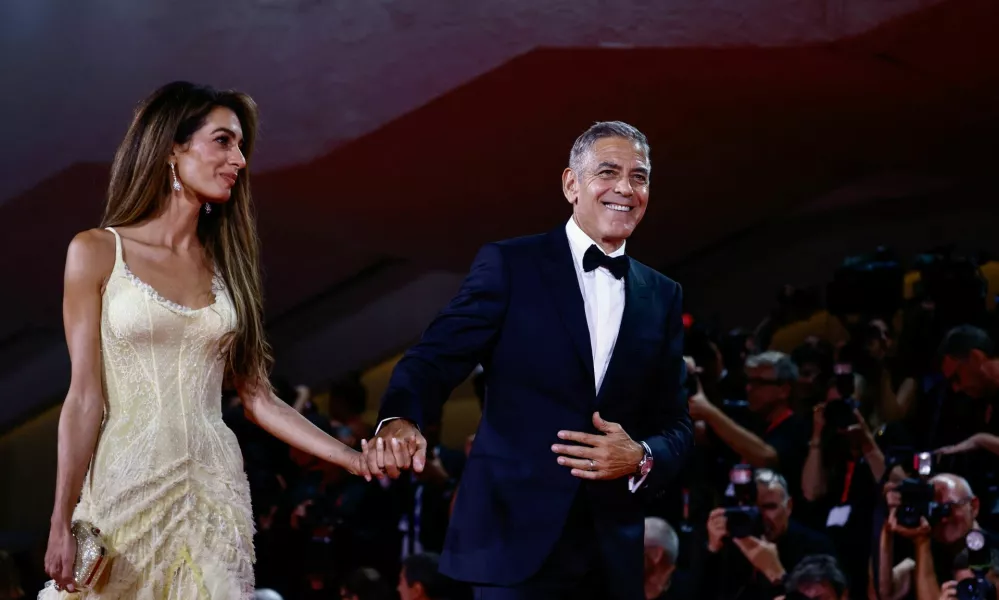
{"x": 754, "y": 568}
{"x": 783, "y": 441}
{"x": 935, "y": 546}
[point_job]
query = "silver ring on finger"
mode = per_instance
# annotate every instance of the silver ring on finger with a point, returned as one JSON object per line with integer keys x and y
{"x": 593, "y": 465}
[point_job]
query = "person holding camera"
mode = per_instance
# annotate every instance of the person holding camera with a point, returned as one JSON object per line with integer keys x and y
{"x": 750, "y": 549}
{"x": 771, "y": 377}
{"x": 974, "y": 574}
{"x": 936, "y": 516}
{"x": 840, "y": 478}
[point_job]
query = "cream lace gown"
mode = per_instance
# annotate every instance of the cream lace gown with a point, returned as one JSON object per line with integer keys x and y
{"x": 166, "y": 484}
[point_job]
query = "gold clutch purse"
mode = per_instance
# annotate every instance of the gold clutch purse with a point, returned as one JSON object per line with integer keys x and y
{"x": 92, "y": 555}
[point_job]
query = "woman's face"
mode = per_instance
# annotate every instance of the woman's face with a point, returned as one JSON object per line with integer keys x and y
{"x": 209, "y": 163}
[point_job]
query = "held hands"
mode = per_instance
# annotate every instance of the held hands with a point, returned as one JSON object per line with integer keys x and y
{"x": 609, "y": 456}
{"x": 399, "y": 445}
{"x": 60, "y": 556}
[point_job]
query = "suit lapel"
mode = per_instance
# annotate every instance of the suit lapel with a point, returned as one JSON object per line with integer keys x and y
{"x": 560, "y": 279}
{"x": 636, "y": 295}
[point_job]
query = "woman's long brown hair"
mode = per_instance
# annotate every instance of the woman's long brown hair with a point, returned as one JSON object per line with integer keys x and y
{"x": 140, "y": 188}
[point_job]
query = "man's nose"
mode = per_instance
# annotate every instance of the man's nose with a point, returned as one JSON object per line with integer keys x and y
{"x": 624, "y": 188}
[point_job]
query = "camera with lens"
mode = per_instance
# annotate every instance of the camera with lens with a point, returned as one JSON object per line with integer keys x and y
{"x": 743, "y": 517}
{"x": 838, "y": 413}
{"x": 976, "y": 556}
{"x": 918, "y": 496}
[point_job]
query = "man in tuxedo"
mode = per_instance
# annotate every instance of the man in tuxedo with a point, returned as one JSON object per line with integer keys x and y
{"x": 585, "y": 408}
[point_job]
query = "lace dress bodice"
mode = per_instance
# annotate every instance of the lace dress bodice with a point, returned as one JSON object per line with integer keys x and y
{"x": 166, "y": 483}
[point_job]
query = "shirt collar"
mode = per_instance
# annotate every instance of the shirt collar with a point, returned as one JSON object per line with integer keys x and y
{"x": 579, "y": 242}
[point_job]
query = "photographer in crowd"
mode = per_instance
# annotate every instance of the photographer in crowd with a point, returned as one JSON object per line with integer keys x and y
{"x": 781, "y": 445}
{"x": 751, "y": 548}
{"x": 936, "y": 517}
{"x": 841, "y": 474}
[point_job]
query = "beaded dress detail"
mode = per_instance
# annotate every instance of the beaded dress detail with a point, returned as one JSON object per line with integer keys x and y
{"x": 166, "y": 485}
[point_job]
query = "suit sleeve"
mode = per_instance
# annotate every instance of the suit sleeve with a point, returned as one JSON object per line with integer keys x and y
{"x": 674, "y": 435}
{"x": 455, "y": 342}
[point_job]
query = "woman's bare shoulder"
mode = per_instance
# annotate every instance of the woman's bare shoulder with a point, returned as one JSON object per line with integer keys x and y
{"x": 91, "y": 253}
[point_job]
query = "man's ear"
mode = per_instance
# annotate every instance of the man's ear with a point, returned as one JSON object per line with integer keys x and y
{"x": 570, "y": 185}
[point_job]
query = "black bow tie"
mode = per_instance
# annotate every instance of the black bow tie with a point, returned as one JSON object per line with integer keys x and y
{"x": 594, "y": 257}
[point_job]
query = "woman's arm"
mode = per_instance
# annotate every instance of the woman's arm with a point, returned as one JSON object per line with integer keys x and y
{"x": 813, "y": 476}
{"x": 287, "y": 424}
{"x": 88, "y": 262}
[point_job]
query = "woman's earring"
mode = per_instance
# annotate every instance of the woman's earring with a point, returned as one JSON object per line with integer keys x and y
{"x": 176, "y": 182}
{"x": 208, "y": 208}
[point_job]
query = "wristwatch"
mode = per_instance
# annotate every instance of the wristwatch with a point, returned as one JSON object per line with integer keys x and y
{"x": 646, "y": 465}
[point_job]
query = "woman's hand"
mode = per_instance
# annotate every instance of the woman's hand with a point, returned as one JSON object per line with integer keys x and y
{"x": 60, "y": 557}
{"x": 818, "y": 420}
{"x": 358, "y": 464}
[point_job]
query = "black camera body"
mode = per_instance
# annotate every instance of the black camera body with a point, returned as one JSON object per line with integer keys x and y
{"x": 975, "y": 588}
{"x": 976, "y": 556}
{"x": 743, "y": 521}
{"x": 743, "y": 518}
{"x": 839, "y": 413}
{"x": 918, "y": 502}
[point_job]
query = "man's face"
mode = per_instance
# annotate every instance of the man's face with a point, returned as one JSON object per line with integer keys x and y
{"x": 763, "y": 391}
{"x": 819, "y": 591}
{"x": 610, "y": 191}
{"x": 965, "y": 374}
{"x": 963, "y": 512}
{"x": 657, "y": 565}
{"x": 775, "y": 508}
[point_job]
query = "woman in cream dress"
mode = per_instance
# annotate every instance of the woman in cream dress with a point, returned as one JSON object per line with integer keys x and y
{"x": 162, "y": 307}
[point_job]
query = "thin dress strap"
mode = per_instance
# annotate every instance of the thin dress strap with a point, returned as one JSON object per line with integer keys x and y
{"x": 118, "y": 259}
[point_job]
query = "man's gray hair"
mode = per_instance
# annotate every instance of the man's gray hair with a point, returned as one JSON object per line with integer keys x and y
{"x": 784, "y": 368}
{"x": 599, "y": 131}
{"x": 771, "y": 478}
{"x": 659, "y": 534}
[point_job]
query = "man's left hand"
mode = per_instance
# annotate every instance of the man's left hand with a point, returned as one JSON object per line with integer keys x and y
{"x": 762, "y": 555}
{"x": 611, "y": 455}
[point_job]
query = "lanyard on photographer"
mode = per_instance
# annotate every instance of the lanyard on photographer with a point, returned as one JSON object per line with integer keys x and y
{"x": 848, "y": 481}
{"x": 784, "y": 416}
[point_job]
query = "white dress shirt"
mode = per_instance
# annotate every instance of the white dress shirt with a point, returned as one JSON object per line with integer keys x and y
{"x": 603, "y": 302}
{"x": 603, "y": 299}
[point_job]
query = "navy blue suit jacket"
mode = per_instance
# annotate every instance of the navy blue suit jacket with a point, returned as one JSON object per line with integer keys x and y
{"x": 520, "y": 314}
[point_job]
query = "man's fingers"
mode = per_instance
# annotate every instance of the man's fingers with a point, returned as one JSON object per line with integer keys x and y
{"x": 369, "y": 456}
{"x": 604, "y": 426}
{"x": 400, "y": 453}
{"x": 420, "y": 457}
{"x": 577, "y": 451}
{"x": 386, "y": 459}
{"x": 592, "y": 475}
{"x": 583, "y": 438}
{"x": 380, "y": 452}
{"x": 575, "y": 463}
